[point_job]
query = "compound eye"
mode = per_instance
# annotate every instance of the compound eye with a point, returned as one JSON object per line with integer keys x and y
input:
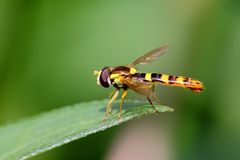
{"x": 104, "y": 78}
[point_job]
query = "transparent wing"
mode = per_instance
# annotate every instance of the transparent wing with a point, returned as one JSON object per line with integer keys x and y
{"x": 139, "y": 86}
{"x": 150, "y": 56}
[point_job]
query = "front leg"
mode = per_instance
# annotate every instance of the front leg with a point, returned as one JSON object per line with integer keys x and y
{"x": 109, "y": 105}
{"x": 109, "y": 108}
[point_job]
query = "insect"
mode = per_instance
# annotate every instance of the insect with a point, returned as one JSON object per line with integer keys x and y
{"x": 126, "y": 77}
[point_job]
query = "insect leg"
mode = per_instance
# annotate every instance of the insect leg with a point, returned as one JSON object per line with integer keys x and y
{"x": 115, "y": 94}
{"x": 125, "y": 92}
{"x": 152, "y": 105}
{"x": 109, "y": 109}
{"x": 154, "y": 95}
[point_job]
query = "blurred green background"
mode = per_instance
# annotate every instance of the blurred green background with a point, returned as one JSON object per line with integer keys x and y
{"x": 49, "y": 49}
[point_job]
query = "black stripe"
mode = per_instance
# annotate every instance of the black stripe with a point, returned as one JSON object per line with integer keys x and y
{"x": 136, "y": 75}
{"x": 171, "y": 79}
{"x": 186, "y": 80}
{"x": 142, "y": 75}
{"x": 156, "y": 77}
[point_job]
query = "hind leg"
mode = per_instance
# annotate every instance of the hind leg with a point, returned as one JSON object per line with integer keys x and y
{"x": 156, "y": 111}
{"x": 148, "y": 91}
{"x": 154, "y": 95}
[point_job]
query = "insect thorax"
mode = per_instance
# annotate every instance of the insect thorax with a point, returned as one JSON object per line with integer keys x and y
{"x": 118, "y": 75}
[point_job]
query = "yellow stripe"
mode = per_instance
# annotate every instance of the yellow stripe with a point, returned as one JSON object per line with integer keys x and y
{"x": 133, "y": 70}
{"x": 116, "y": 81}
{"x": 113, "y": 76}
{"x": 148, "y": 77}
{"x": 164, "y": 78}
{"x": 180, "y": 80}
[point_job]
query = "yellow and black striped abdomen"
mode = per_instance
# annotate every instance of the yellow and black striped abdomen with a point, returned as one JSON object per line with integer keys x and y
{"x": 158, "y": 78}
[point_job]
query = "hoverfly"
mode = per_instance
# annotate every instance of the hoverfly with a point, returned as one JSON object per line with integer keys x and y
{"x": 126, "y": 77}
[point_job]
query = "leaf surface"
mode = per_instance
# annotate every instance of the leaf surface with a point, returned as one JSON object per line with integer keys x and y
{"x": 48, "y": 130}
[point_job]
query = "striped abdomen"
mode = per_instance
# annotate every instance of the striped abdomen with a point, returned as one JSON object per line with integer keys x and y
{"x": 180, "y": 81}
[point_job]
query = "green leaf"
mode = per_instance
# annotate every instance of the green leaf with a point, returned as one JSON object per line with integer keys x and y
{"x": 46, "y": 131}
